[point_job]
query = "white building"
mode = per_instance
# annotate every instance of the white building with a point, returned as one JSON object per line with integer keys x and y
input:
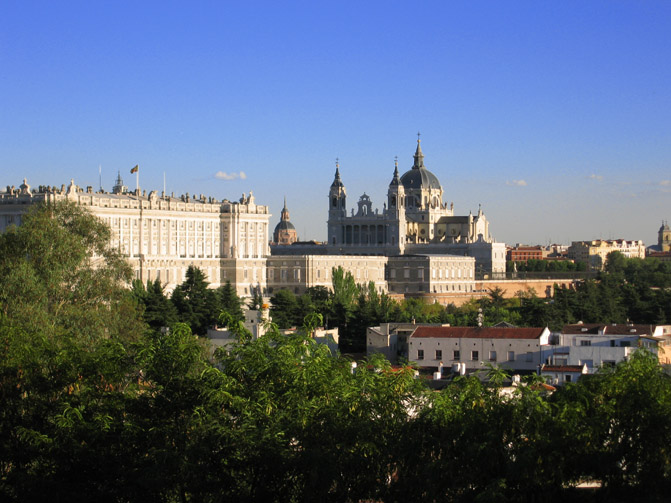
{"x": 413, "y": 221}
{"x": 594, "y": 253}
{"x": 391, "y": 339}
{"x": 596, "y": 345}
{"x": 431, "y": 274}
{"x": 162, "y": 235}
{"x": 256, "y": 322}
{"x": 558, "y": 375}
{"x": 300, "y": 272}
{"x": 518, "y": 349}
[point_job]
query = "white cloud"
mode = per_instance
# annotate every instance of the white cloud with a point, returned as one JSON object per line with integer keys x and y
{"x": 596, "y": 177}
{"x": 665, "y": 183}
{"x": 517, "y": 183}
{"x": 222, "y": 175}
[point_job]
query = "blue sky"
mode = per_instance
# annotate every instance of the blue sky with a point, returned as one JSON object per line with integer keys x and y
{"x": 555, "y": 116}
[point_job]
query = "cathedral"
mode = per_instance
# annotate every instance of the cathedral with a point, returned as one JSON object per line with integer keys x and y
{"x": 285, "y": 232}
{"x": 414, "y": 220}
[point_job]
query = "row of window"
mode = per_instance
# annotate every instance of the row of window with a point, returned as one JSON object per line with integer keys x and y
{"x": 613, "y": 343}
{"x": 455, "y": 274}
{"x": 475, "y": 355}
{"x": 284, "y": 274}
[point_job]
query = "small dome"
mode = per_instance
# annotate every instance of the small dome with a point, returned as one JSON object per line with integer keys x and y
{"x": 284, "y": 225}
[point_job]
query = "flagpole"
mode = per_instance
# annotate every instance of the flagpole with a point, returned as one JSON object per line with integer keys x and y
{"x": 140, "y": 254}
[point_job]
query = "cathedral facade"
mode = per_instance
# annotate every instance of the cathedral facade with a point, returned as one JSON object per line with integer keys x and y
{"x": 414, "y": 220}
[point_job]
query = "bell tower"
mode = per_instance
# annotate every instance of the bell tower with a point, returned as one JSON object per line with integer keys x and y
{"x": 337, "y": 208}
{"x": 396, "y": 212}
{"x": 664, "y": 237}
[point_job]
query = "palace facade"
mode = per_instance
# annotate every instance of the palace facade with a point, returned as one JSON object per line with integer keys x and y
{"x": 162, "y": 235}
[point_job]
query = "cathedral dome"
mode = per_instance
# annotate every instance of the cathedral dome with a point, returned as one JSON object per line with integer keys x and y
{"x": 284, "y": 225}
{"x": 285, "y": 232}
{"x": 419, "y": 177}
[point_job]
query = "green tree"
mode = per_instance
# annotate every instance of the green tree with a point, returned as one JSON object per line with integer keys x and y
{"x": 158, "y": 311}
{"x": 196, "y": 304}
{"x": 58, "y": 272}
{"x": 320, "y": 298}
{"x": 627, "y": 416}
{"x": 284, "y": 309}
{"x": 309, "y": 427}
{"x": 230, "y": 303}
{"x": 66, "y": 331}
{"x": 343, "y": 298}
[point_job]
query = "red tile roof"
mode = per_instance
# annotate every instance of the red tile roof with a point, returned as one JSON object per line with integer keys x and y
{"x": 478, "y": 332}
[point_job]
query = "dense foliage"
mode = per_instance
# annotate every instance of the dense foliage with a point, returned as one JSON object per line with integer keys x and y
{"x": 536, "y": 265}
{"x": 97, "y": 406}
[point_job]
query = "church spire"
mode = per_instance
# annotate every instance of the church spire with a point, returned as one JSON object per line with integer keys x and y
{"x": 419, "y": 156}
{"x": 284, "y": 216}
{"x": 337, "y": 182}
{"x": 396, "y": 180}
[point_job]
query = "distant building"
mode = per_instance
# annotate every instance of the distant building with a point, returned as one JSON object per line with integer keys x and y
{"x": 594, "y": 253}
{"x": 659, "y": 255}
{"x": 556, "y": 251}
{"x": 391, "y": 339}
{"x": 431, "y": 274}
{"x": 515, "y": 349}
{"x": 414, "y": 221}
{"x": 405, "y": 274}
{"x": 285, "y": 232}
{"x": 522, "y": 253}
{"x": 664, "y": 237}
{"x": 300, "y": 272}
{"x": 559, "y": 375}
{"x": 162, "y": 235}
{"x": 597, "y": 344}
{"x": 256, "y": 321}
{"x": 662, "y": 250}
